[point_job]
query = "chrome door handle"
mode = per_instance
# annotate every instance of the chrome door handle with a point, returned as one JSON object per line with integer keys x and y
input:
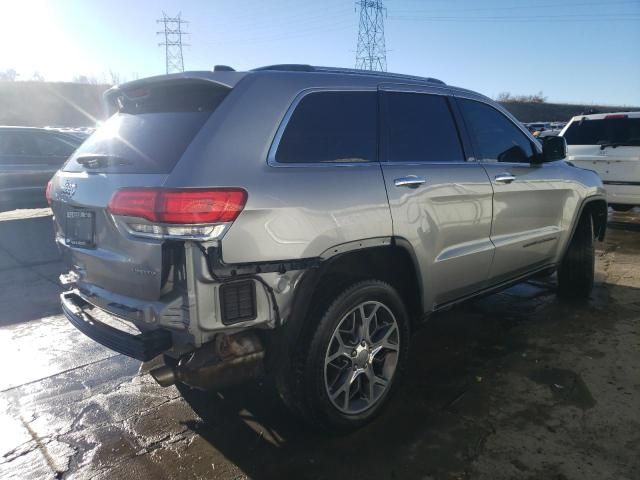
{"x": 411, "y": 181}
{"x": 504, "y": 178}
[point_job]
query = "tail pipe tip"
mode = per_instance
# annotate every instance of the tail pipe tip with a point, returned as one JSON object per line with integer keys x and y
{"x": 165, "y": 376}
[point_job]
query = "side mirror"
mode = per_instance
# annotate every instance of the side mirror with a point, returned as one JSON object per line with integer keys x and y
{"x": 553, "y": 148}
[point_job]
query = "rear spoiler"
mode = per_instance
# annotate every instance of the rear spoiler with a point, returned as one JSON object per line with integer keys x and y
{"x": 224, "y": 79}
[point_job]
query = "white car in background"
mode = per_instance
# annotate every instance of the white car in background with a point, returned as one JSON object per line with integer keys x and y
{"x": 609, "y": 144}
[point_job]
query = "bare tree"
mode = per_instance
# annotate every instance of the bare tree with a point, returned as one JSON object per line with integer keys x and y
{"x": 9, "y": 75}
{"x": 85, "y": 79}
{"x": 37, "y": 77}
{"x": 114, "y": 77}
{"x": 508, "y": 97}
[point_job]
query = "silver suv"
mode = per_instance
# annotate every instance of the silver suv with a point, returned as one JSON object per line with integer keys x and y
{"x": 299, "y": 222}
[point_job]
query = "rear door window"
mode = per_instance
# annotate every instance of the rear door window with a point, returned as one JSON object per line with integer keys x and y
{"x": 11, "y": 144}
{"x": 331, "y": 127}
{"x": 418, "y": 127}
{"x": 494, "y": 135}
{"x": 617, "y": 130}
{"x": 53, "y": 145}
{"x": 17, "y": 144}
{"x": 152, "y": 128}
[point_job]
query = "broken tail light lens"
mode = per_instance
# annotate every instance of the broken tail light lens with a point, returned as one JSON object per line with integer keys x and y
{"x": 184, "y": 213}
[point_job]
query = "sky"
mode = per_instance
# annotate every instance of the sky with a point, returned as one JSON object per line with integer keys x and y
{"x": 575, "y": 51}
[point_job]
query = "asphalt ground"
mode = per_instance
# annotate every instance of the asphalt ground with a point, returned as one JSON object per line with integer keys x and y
{"x": 516, "y": 385}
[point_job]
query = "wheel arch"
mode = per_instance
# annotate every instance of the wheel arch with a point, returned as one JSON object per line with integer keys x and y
{"x": 391, "y": 259}
{"x": 595, "y": 206}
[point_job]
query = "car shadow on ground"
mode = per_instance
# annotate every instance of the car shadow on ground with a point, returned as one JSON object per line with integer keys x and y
{"x": 435, "y": 424}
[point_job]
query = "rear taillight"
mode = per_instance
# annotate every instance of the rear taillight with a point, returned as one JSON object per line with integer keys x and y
{"x": 47, "y": 192}
{"x": 616, "y": 115}
{"x": 183, "y": 213}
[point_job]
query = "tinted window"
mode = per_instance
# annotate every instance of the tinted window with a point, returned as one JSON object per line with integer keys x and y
{"x": 150, "y": 131}
{"x": 495, "y": 136}
{"x": 419, "y": 128}
{"x": 621, "y": 131}
{"x": 54, "y": 145}
{"x": 10, "y": 144}
{"x": 17, "y": 143}
{"x": 331, "y": 127}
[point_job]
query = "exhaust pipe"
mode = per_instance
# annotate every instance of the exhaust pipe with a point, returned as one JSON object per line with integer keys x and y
{"x": 165, "y": 376}
{"x": 229, "y": 360}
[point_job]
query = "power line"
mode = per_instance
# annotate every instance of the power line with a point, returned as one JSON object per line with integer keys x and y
{"x": 519, "y": 19}
{"x": 371, "y": 53}
{"x": 277, "y": 18}
{"x": 535, "y": 7}
{"x": 174, "y": 61}
{"x": 311, "y": 29}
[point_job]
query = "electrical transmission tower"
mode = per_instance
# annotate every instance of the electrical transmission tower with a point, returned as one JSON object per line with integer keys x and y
{"x": 173, "y": 42}
{"x": 371, "y": 53}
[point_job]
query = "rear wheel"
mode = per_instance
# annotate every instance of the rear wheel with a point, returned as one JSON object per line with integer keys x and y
{"x": 617, "y": 207}
{"x": 351, "y": 362}
{"x": 576, "y": 272}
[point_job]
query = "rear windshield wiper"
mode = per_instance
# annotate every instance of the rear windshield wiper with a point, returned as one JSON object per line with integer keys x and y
{"x": 612, "y": 145}
{"x": 100, "y": 161}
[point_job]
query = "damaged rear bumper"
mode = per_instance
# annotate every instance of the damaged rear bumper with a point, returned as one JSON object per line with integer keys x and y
{"x": 211, "y": 328}
{"x": 142, "y": 346}
{"x": 229, "y": 360}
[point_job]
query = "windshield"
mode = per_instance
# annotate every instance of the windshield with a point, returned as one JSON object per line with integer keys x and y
{"x": 607, "y": 131}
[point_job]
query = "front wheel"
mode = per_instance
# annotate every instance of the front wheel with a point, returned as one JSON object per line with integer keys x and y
{"x": 576, "y": 272}
{"x": 354, "y": 358}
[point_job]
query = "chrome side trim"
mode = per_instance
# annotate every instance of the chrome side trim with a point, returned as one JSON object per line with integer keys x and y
{"x": 422, "y": 164}
{"x": 425, "y": 89}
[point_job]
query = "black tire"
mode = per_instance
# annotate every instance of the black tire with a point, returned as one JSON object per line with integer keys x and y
{"x": 576, "y": 272}
{"x": 617, "y": 207}
{"x": 306, "y": 387}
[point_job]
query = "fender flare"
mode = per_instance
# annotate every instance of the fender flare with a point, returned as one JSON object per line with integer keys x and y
{"x": 282, "y": 339}
{"x": 584, "y": 204}
{"x": 310, "y": 279}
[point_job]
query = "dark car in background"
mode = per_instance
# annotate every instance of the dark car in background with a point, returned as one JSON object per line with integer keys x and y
{"x": 28, "y": 159}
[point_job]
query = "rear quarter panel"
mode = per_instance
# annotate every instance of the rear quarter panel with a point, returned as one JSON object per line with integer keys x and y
{"x": 292, "y": 211}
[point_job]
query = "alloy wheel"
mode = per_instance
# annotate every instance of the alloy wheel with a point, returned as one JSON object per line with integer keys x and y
{"x": 362, "y": 357}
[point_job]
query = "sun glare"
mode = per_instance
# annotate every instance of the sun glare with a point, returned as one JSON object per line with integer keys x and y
{"x": 40, "y": 42}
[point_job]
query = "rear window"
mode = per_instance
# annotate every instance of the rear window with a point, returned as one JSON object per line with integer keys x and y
{"x": 329, "y": 127}
{"x": 608, "y": 131}
{"x": 150, "y": 130}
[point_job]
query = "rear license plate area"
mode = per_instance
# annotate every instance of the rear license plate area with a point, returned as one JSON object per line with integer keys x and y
{"x": 80, "y": 228}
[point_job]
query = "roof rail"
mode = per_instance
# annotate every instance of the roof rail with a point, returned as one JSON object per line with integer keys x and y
{"x": 285, "y": 67}
{"x": 354, "y": 71}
